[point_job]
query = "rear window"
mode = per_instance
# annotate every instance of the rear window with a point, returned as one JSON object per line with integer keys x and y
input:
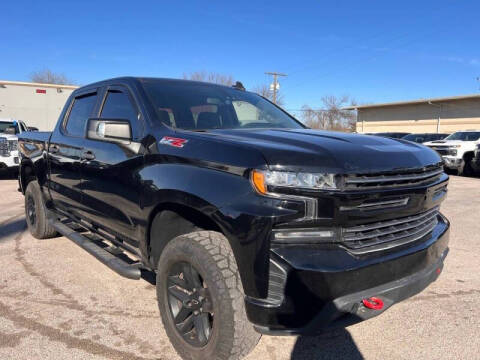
{"x": 81, "y": 110}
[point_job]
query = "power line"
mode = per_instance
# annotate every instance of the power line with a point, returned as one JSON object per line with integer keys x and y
{"x": 313, "y": 110}
{"x": 275, "y": 83}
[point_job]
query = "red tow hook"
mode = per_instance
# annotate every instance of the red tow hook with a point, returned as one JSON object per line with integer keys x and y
{"x": 373, "y": 303}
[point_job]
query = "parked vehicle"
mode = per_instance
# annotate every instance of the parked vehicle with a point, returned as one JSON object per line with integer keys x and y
{"x": 476, "y": 159}
{"x": 457, "y": 150}
{"x": 424, "y": 137}
{"x": 393, "y": 135}
{"x": 9, "y": 130}
{"x": 253, "y": 223}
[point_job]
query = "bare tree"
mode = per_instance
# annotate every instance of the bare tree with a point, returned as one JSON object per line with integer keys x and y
{"x": 264, "y": 90}
{"x": 46, "y": 76}
{"x": 331, "y": 116}
{"x": 212, "y": 77}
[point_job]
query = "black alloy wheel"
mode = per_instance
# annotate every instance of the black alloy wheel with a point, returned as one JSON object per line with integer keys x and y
{"x": 190, "y": 304}
{"x": 31, "y": 211}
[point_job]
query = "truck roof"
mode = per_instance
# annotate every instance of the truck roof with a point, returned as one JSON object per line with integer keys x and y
{"x": 136, "y": 79}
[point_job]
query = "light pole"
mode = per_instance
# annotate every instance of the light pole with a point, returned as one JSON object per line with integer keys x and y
{"x": 439, "y": 114}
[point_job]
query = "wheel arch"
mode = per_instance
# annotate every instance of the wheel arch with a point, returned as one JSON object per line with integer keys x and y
{"x": 26, "y": 174}
{"x": 468, "y": 155}
{"x": 171, "y": 219}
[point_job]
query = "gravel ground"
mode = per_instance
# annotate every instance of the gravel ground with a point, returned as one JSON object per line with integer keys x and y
{"x": 58, "y": 302}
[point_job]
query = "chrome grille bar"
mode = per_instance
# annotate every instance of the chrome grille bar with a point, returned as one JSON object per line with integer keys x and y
{"x": 4, "y": 147}
{"x": 12, "y": 145}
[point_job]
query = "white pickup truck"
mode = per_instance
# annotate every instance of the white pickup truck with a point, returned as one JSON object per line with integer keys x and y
{"x": 457, "y": 150}
{"x": 9, "y": 129}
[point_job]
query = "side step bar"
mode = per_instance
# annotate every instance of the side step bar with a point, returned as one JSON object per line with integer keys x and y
{"x": 119, "y": 266}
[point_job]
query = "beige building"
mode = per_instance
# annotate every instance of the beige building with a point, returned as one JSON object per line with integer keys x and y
{"x": 38, "y": 105}
{"x": 444, "y": 115}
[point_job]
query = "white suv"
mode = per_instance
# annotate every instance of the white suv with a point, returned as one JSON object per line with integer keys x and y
{"x": 457, "y": 150}
{"x": 9, "y": 129}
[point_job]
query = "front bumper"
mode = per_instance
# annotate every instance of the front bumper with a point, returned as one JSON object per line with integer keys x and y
{"x": 453, "y": 162}
{"x": 10, "y": 161}
{"x": 324, "y": 288}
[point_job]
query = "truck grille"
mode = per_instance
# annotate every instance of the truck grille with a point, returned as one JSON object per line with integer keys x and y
{"x": 386, "y": 234}
{"x": 393, "y": 179}
{"x": 4, "y": 147}
{"x": 12, "y": 145}
{"x": 441, "y": 150}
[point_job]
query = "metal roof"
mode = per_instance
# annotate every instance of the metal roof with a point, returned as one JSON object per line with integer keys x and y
{"x": 419, "y": 101}
{"x": 21, "y": 83}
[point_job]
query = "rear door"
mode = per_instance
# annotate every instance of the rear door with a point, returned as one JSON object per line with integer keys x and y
{"x": 111, "y": 184}
{"x": 66, "y": 153}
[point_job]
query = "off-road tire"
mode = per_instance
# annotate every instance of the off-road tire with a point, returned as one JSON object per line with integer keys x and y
{"x": 232, "y": 335}
{"x": 39, "y": 227}
{"x": 467, "y": 169}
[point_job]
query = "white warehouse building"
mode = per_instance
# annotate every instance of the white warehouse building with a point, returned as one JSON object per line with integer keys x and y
{"x": 38, "y": 105}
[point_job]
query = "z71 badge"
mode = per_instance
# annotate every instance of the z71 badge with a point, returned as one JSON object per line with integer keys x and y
{"x": 172, "y": 141}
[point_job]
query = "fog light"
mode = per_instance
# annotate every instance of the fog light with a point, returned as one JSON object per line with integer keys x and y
{"x": 305, "y": 236}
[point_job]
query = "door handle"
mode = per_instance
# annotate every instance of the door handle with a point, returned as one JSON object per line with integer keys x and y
{"x": 54, "y": 149}
{"x": 88, "y": 155}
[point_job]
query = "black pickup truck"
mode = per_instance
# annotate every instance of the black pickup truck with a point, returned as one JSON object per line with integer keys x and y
{"x": 252, "y": 223}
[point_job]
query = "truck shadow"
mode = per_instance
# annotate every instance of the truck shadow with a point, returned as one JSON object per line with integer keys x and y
{"x": 336, "y": 344}
{"x": 10, "y": 228}
{"x": 7, "y": 174}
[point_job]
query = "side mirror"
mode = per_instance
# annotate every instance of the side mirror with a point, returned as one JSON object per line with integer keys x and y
{"x": 111, "y": 130}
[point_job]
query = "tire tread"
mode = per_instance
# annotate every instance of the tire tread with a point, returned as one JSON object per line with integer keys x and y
{"x": 221, "y": 262}
{"x": 42, "y": 229}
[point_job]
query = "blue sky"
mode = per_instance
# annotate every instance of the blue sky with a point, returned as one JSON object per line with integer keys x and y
{"x": 374, "y": 51}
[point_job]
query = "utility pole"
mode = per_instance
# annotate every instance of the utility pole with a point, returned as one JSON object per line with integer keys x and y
{"x": 275, "y": 84}
{"x": 439, "y": 114}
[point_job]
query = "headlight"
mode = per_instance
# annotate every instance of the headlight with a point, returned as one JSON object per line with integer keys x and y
{"x": 262, "y": 179}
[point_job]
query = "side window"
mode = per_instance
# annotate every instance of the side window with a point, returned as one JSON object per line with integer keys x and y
{"x": 79, "y": 114}
{"x": 119, "y": 106}
{"x": 166, "y": 116}
{"x": 247, "y": 113}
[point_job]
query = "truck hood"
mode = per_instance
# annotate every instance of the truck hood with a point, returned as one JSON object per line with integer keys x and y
{"x": 313, "y": 150}
{"x": 8, "y": 136}
{"x": 448, "y": 142}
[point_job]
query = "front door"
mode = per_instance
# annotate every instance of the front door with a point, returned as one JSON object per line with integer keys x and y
{"x": 111, "y": 185}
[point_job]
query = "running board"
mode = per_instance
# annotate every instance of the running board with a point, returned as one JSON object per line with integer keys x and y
{"x": 122, "y": 268}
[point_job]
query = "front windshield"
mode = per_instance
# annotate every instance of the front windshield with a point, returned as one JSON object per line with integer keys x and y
{"x": 464, "y": 136}
{"x": 197, "y": 106}
{"x": 4, "y": 125}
